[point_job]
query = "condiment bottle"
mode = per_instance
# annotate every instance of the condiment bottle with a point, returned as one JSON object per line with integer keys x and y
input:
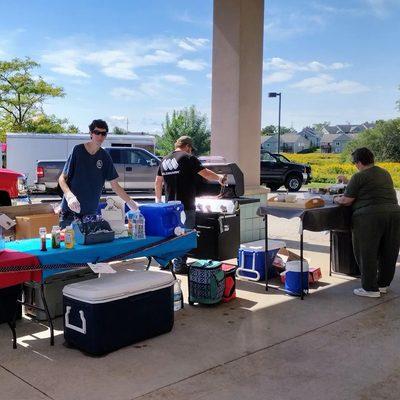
{"x": 42, "y": 235}
{"x": 69, "y": 239}
{"x": 55, "y": 237}
{"x": 130, "y": 225}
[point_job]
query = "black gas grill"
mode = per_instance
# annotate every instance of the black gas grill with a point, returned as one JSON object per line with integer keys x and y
{"x": 218, "y": 214}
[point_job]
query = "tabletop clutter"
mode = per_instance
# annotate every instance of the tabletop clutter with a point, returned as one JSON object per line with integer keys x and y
{"x": 106, "y": 313}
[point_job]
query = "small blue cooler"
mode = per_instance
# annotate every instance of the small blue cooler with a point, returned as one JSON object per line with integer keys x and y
{"x": 293, "y": 277}
{"x": 162, "y": 218}
{"x": 251, "y": 259}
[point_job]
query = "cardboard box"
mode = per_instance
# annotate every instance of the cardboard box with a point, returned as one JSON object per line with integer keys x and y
{"x": 314, "y": 275}
{"x": 288, "y": 255}
{"x": 19, "y": 211}
{"x": 28, "y": 225}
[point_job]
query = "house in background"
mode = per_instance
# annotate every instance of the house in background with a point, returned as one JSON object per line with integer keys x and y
{"x": 335, "y": 143}
{"x": 293, "y": 143}
{"x": 311, "y": 135}
{"x": 337, "y": 129}
{"x": 331, "y": 139}
{"x": 270, "y": 143}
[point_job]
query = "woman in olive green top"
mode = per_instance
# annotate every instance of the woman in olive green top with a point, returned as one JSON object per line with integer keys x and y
{"x": 375, "y": 223}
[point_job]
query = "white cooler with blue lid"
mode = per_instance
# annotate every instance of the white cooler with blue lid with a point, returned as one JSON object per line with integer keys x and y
{"x": 118, "y": 309}
{"x": 251, "y": 259}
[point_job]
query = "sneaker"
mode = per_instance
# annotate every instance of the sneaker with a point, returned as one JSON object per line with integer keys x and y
{"x": 181, "y": 270}
{"x": 365, "y": 293}
{"x": 384, "y": 289}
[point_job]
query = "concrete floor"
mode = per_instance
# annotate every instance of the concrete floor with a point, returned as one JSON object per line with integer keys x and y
{"x": 332, "y": 345}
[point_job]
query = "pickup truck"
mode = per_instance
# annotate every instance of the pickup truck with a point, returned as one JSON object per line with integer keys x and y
{"x": 136, "y": 167}
{"x": 12, "y": 187}
{"x": 277, "y": 171}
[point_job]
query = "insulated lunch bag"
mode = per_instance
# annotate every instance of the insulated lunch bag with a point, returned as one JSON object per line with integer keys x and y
{"x": 206, "y": 282}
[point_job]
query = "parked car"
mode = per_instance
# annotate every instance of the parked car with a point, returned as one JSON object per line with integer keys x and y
{"x": 12, "y": 187}
{"x": 136, "y": 167}
{"x": 277, "y": 170}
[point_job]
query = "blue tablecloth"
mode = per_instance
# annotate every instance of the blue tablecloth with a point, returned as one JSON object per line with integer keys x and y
{"x": 162, "y": 252}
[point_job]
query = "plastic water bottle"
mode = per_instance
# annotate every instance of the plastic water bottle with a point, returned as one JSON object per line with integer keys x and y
{"x": 138, "y": 226}
{"x": 178, "y": 296}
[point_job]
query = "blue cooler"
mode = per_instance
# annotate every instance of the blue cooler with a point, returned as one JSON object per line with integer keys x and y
{"x": 162, "y": 218}
{"x": 251, "y": 259}
{"x": 116, "y": 310}
{"x": 293, "y": 277}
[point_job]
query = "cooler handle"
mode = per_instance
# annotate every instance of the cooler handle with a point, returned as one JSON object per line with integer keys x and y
{"x": 73, "y": 327}
{"x": 249, "y": 271}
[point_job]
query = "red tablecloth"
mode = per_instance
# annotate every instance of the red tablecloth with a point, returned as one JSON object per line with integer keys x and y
{"x": 9, "y": 258}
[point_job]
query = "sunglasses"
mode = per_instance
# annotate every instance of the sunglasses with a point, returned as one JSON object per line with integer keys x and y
{"x": 96, "y": 132}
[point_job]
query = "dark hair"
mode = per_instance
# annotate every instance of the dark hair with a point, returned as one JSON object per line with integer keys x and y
{"x": 98, "y": 123}
{"x": 363, "y": 155}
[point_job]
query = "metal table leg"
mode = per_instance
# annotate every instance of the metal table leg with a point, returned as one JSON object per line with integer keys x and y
{"x": 46, "y": 309}
{"x": 12, "y": 325}
{"x": 301, "y": 263}
{"x": 266, "y": 252}
{"x": 330, "y": 253}
{"x": 148, "y": 263}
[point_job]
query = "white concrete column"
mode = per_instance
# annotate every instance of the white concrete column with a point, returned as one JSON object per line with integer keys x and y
{"x": 237, "y": 84}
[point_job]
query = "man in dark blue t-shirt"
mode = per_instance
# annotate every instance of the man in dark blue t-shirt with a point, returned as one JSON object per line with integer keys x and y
{"x": 84, "y": 175}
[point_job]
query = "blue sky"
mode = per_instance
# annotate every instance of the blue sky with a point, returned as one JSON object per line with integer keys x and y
{"x": 334, "y": 61}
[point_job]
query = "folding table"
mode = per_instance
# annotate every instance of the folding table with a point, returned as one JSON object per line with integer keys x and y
{"x": 327, "y": 218}
{"x": 54, "y": 261}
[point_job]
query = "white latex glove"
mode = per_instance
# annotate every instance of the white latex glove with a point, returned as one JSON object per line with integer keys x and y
{"x": 132, "y": 205}
{"x": 73, "y": 202}
{"x": 223, "y": 180}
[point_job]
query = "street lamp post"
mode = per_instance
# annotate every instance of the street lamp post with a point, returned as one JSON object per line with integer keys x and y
{"x": 275, "y": 94}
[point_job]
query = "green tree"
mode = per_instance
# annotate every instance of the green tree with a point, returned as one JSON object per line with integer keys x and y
{"x": 22, "y": 94}
{"x": 43, "y": 123}
{"x": 119, "y": 131}
{"x": 269, "y": 130}
{"x": 383, "y": 141}
{"x": 185, "y": 122}
{"x": 318, "y": 127}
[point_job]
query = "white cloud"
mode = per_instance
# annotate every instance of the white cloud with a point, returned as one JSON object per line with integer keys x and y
{"x": 377, "y": 8}
{"x": 117, "y": 60}
{"x": 325, "y": 83}
{"x": 186, "y": 46}
{"x": 120, "y": 71}
{"x": 178, "y": 79}
{"x": 282, "y": 76}
{"x": 123, "y": 93}
{"x": 192, "y": 65}
{"x": 277, "y": 63}
{"x": 192, "y": 44}
{"x": 198, "y": 42}
{"x": 65, "y": 62}
{"x": 280, "y": 27}
{"x": 382, "y": 8}
{"x": 118, "y": 118}
{"x": 158, "y": 86}
{"x": 158, "y": 57}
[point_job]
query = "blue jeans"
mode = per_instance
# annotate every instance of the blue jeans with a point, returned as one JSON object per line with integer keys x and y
{"x": 189, "y": 224}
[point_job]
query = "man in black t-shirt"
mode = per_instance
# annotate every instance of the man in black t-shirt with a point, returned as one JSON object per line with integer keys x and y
{"x": 177, "y": 172}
